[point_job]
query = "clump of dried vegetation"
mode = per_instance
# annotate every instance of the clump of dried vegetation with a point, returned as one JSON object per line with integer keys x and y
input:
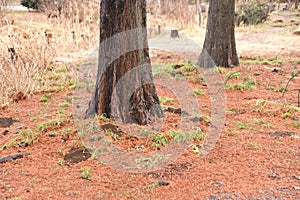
{"x": 24, "y": 55}
{"x": 27, "y": 53}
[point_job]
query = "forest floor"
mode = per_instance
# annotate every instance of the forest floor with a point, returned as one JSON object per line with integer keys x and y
{"x": 257, "y": 155}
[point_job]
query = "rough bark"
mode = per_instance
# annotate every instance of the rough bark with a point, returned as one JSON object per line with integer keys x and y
{"x": 124, "y": 74}
{"x": 233, "y": 52}
{"x": 219, "y": 41}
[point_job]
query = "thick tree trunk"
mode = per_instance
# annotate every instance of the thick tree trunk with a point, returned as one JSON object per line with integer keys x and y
{"x": 124, "y": 90}
{"x": 219, "y": 41}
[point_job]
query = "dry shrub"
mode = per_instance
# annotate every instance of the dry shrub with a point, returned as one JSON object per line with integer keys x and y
{"x": 23, "y": 57}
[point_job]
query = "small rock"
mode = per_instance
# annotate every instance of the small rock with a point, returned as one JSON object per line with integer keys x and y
{"x": 5, "y": 132}
{"x": 275, "y": 70}
{"x": 218, "y": 183}
{"x": 295, "y": 119}
{"x": 21, "y": 127}
{"x": 297, "y": 177}
{"x": 52, "y": 135}
{"x": 77, "y": 155}
{"x": 278, "y": 21}
{"x": 297, "y": 188}
{"x": 163, "y": 183}
{"x": 273, "y": 175}
{"x": 297, "y": 31}
{"x": 212, "y": 197}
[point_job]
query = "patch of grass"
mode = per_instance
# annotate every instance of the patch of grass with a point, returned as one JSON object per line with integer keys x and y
{"x": 265, "y": 62}
{"x": 198, "y": 92}
{"x": 249, "y": 62}
{"x": 233, "y": 74}
{"x": 153, "y": 185}
{"x": 297, "y": 62}
{"x": 23, "y": 138}
{"x": 241, "y": 125}
{"x": 256, "y": 73}
{"x": 85, "y": 173}
{"x": 45, "y": 98}
{"x": 277, "y": 60}
{"x": 253, "y": 145}
{"x": 196, "y": 149}
{"x": 265, "y": 106}
{"x": 194, "y": 135}
{"x": 34, "y": 119}
{"x": 160, "y": 70}
{"x": 113, "y": 135}
{"x": 103, "y": 118}
{"x": 65, "y": 104}
{"x": 296, "y": 124}
{"x": 160, "y": 140}
{"x": 231, "y": 133}
{"x": 61, "y": 162}
{"x": 286, "y": 115}
{"x": 197, "y": 79}
{"x": 246, "y": 84}
{"x": 165, "y": 100}
{"x": 45, "y": 126}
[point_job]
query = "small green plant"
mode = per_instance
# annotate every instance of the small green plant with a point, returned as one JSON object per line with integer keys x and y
{"x": 233, "y": 74}
{"x": 165, "y": 100}
{"x": 241, "y": 125}
{"x": 85, "y": 173}
{"x": 195, "y": 135}
{"x": 196, "y": 79}
{"x": 293, "y": 75}
{"x": 65, "y": 104}
{"x": 113, "y": 135}
{"x": 196, "y": 149}
{"x": 103, "y": 118}
{"x": 44, "y": 126}
{"x": 231, "y": 133}
{"x": 61, "y": 162}
{"x": 45, "y": 98}
{"x": 286, "y": 115}
{"x": 265, "y": 62}
{"x": 246, "y": 84}
{"x": 256, "y": 73}
{"x": 277, "y": 60}
{"x": 160, "y": 140}
{"x": 198, "y": 92}
{"x": 296, "y": 124}
{"x": 23, "y": 138}
{"x": 254, "y": 145}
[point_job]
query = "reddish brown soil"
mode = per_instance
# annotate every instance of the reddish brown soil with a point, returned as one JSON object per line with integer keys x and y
{"x": 256, "y": 157}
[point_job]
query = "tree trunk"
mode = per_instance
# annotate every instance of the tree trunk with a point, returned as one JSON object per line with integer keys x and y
{"x": 219, "y": 44}
{"x": 296, "y": 4}
{"x": 124, "y": 90}
{"x": 233, "y": 53}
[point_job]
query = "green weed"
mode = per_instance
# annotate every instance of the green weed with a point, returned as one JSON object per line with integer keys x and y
{"x": 85, "y": 173}
{"x": 23, "y": 138}
{"x": 198, "y": 92}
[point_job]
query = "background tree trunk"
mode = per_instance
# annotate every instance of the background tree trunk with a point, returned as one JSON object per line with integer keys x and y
{"x": 219, "y": 41}
{"x": 111, "y": 98}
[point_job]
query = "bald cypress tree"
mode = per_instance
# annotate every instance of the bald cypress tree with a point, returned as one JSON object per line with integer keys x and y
{"x": 124, "y": 87}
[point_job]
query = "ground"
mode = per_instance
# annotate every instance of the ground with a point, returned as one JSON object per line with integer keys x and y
{"x": 256, "y": 157}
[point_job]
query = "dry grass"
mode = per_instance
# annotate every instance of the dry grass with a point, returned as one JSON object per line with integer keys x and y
{"x": 24, "y": 55}
{"x": 27, "y": 52}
